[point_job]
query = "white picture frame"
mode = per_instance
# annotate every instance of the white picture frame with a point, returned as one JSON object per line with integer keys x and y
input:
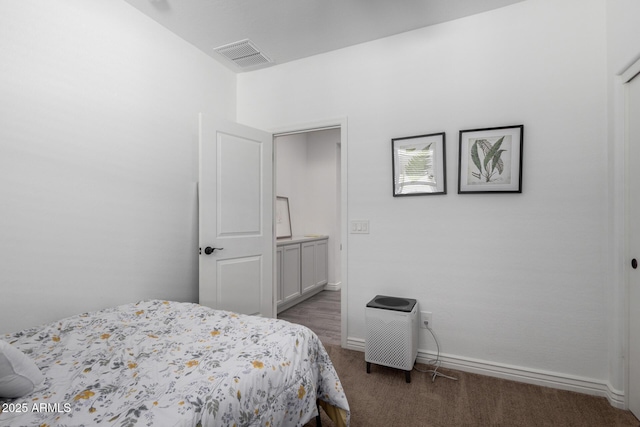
{"x": 283, "y": 218}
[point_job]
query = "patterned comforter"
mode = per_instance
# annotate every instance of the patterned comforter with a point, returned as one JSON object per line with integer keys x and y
{"x": 160, "y": 363}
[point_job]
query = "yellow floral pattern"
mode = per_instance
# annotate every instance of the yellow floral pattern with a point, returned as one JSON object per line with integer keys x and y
{"x": 169, "y": 363}
{"x": 84, "y": 395}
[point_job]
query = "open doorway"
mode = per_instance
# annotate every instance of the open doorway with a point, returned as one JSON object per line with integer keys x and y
{"x": 309, "y": 170}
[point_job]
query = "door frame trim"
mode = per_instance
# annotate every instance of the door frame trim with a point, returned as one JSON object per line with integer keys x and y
{"x": 341, "y": 123}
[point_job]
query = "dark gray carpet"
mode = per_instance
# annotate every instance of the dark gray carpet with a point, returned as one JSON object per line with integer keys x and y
{"x": 383, "y": 398}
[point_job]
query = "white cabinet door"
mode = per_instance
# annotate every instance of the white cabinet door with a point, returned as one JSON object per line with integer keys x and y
{"x": 308, "y": 274}
{"x": 290, "y": 272}
{"x": 322, "y": 266}
{"x": 279, "y": 281}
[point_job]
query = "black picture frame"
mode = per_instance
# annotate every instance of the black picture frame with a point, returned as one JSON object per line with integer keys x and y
{"x": 419, "y": 165}
{"x": 490, "y": 160}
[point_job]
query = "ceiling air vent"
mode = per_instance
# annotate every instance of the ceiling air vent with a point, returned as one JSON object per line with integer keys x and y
{"x": 243, "y": 53}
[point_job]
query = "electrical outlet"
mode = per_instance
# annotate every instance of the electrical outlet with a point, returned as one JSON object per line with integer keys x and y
{"x": 426, "y": 316}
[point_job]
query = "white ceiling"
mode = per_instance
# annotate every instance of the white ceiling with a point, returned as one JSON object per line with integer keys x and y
{"x": 286, "y": 30}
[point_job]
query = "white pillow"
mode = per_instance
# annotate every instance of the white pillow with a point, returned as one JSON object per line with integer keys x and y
{"x": 19, "y": 375}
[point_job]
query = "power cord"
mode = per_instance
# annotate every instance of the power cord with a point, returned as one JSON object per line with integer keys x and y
{"x": 434, "y": 362}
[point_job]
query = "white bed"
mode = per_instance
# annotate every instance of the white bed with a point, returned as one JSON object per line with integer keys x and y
{"x": 161, "y": 363}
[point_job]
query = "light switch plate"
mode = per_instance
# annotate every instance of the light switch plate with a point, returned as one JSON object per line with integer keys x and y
{"x": 360, "y": 226}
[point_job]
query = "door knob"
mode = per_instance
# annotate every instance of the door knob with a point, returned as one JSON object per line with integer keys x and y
{"x": 634, "y": 263}
{"x": 209, "y": 250}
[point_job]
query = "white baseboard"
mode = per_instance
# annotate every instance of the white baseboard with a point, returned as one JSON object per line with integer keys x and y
{"x": 616, "y": 397}
{"x": 517, "y": 373}
{"x": 333, "y": 286}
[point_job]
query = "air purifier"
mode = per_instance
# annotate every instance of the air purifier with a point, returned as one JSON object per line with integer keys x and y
{"x": 392, "y": 333}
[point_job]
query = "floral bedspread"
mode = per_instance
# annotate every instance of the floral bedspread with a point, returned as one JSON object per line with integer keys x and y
{"x": 161, "y": 363}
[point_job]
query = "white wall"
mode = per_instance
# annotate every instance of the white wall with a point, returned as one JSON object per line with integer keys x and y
{"x": 98, "y": 157}
{"x": 306, "y": 173}
{"x": 291, "y": 164}
{"x": 513, "y": 280}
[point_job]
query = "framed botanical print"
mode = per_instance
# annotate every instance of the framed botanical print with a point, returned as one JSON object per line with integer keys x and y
{"x": 419, "y": 165}
{"x": 490, "y": 160}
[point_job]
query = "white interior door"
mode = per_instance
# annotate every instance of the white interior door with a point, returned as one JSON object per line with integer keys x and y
{"x": 633, "y": 227}
{"x": 235, "y": 193}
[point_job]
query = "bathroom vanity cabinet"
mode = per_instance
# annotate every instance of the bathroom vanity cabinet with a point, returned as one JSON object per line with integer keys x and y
{"x": 302, "y": 269}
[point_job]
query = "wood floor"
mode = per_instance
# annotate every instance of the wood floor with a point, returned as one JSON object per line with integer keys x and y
{"x": 320, "y": 313}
